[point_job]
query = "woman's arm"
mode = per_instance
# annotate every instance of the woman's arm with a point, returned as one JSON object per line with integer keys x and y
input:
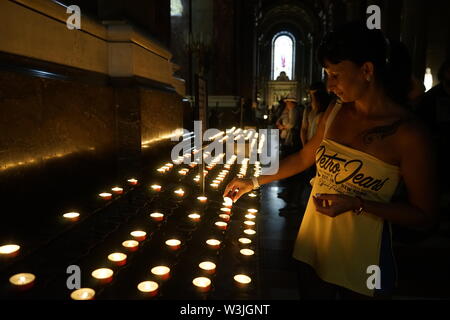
{"x": 418, "y": 172}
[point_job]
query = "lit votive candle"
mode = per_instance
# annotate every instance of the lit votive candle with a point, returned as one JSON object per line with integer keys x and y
{"x": 132, "y": 181}
{"x": 9, "y": 250}
{"x": 162, "y": 272}
{"x": 105, "y": 195}
{"x": 118, "y": 258}
{"x": 228, "y": 201}
{"x": 224, "y": 217}
{"x": 202, "y": 199}
{"x": 103, "y": 275}
{"x": 252, "y": 195}
{"x": 249, "y": 224}
{"x": 244, "y": 241}
{"x": 221, "y": 225}
{"x": 213, "y": 243}
{"x": 182, "y": 172}
{"x": 139, "y": 235}
{"x": 226, "y": 210}
{"x": 148, "y": 287}
{"x": 203, "y": 284}
{"x": 194, "y": 217}
{"x": 131, "y": 245}
{"x": 173, "y": 244}
{"x": 168, "y": 164}
{"x": 214, "y": 185}
{"x": 179, "y": 192}
{"x": 161, "y": 170}
{"x": 247, "y": 252}
{"x": 83, "y": 294}
{"x": 252, "y": 210}
{"x": 242, "y": 280}
{"x": 117, "y": 190}
{"x": 157, "y": 216}
{"x": 156, "y": 187}
{"x": 22, "y": 281}
{"x": 216, "y": 181}
{"x": 250, "y": 216}
{"x": 220, "y": 179}
{"x": 249, "y": 232}
{"x": 71, "y": 216}
{"x": 208, "y": 266}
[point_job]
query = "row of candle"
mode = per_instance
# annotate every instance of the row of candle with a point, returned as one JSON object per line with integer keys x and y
{"x": 174, "y": 244}
{"x": 104, "y": 275}
{"x": 116, "y": 190}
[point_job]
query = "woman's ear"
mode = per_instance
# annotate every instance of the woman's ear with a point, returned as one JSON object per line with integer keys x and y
{"x": 368, "y": 70}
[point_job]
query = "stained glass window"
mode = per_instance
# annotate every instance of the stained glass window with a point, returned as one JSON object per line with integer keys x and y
{"x": 283, "y": 57}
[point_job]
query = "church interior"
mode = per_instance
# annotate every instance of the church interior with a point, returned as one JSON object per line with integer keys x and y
{"x": 106, "y": 107}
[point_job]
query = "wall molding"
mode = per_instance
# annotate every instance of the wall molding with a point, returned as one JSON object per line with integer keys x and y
{"x": 36, "y": 30}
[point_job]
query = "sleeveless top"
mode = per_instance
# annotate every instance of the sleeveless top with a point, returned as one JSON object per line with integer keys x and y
{"x": 341, "y": 249}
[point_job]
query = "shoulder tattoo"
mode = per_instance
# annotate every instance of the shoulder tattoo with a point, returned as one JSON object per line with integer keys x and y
{"x": 380, "y": 132}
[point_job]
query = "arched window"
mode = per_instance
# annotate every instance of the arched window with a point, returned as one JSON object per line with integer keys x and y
{"x": 283, "y": 55}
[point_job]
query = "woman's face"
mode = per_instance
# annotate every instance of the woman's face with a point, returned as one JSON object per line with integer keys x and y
{"x": 347, "y": 80}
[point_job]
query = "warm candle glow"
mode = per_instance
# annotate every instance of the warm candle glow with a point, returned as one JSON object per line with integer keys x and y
{"x": 9, "y": 249}
{"x": 161, "y": 271}
{"x": 214, "y": 185}
{"x": 228, "y": 201}
{"x": 245, "y": 240}
{"x": 182, "y": 172}
{"x": 131, "y": 245}
{"x": 118, "y": 258}
{"x": 179, "y": 192}
{"x": 249, "y": 232}
{"x": 213, "y": 243}
{"x": 132, "y": 181}
{"x": 221, "y": 225}
{"x": 73, "y": 216}
{"x": 102, "y": 274}
{"x": 83, "y": 294}
{"x": 22, "y": 279}
{"x": 139, "y": 235}
{"x": 156, "y": 187}
{"x": 224, "y": 216}
{"x": 249, "y": 223}
{"x": 202, "y": 199}
{"x": 242, "y": 279}
{"x": 250, "y": 216}
{"x": 208, "y": 266}
{"x": 117, "y": 190}
{"x": 105, "y": 195}
{"x": 194, "y": 216}
{"x": 161, "y": 170}
{"x": 252, "y": 195}
{"x": 226, "y": 210}
{"x": 150, "y": 287}
{"x": 202, "y": 283}
{"x": 174, "y": 244}
{"x": 157, "y": 216}
{"x": 252, "y": 210}
{"x": 247, "y": 252}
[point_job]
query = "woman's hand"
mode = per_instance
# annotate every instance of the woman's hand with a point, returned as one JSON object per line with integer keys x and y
{"x": 333, "y": 205}
{"x": 238, "y": 187}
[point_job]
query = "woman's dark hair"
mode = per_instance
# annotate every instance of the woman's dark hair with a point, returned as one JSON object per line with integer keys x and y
{"x": 355, "y": 42}
{"x": 323, "y": 98}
